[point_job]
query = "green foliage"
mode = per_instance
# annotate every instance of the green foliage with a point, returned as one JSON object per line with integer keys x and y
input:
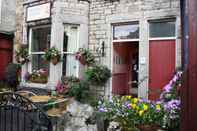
{"x": 79, "y": 90}
{"x": 22, "y": 55}
{"x": 85, "y": 56}
{"x": 98, "y": 75}
{"x": 51, "y": 53}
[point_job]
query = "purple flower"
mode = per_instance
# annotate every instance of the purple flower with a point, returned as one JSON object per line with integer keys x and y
{"x": 101, "y": 109}
{"x": 168, "y": 87}
{"x": 175, "y": 78}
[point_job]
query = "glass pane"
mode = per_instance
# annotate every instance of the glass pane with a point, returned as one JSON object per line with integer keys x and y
{"x": 70, "y": 38}
{"x": 130, "y": 31}
{"x": 40, "y": 39}
{"x": 162, "y": 29}
{"x": 39, "y": 63}
{"x": 69, "y": 65}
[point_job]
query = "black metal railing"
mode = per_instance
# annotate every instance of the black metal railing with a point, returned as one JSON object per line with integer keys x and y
{"x": 18, "y": 113}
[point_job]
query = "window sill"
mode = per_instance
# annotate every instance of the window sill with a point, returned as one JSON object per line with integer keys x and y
{"x": 35, "y": 85}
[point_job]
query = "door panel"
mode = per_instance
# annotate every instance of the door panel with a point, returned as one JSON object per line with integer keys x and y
{"x": 123, "y": 65}
{"x": 5, "y": 55}
{"x": 162, "y": 65}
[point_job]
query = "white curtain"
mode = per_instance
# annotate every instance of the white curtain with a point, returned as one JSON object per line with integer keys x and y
{"x": 71, "y": 63}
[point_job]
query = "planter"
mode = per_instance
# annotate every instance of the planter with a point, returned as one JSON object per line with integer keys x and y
{"x": 148, "y": 127}
{"x": 41, "y": 81}
{"x": 55, "y": 60}
{"x": 82, "y": 60}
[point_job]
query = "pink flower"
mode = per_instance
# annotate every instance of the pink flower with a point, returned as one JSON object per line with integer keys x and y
{"x": 168, "y": 87}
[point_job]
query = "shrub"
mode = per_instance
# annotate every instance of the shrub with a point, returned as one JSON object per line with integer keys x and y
{"x": 98, "y": 75}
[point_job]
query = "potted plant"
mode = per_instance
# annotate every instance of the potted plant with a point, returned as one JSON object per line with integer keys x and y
{"x": 97, "y": 75}
{"x": 22, "y": 55}
{"x": 85, "y": 57}
{"x": 53, "y": 55}
{"x": 65, "y": 84}
{"x": 37, "y": 76}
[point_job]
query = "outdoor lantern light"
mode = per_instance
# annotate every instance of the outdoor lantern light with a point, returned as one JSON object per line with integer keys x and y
{"x": 101, "y": 49}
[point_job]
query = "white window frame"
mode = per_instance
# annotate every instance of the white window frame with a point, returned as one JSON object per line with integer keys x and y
{"x": 162, "y": 38}
{"x": 30, "y": 46}
{"x": 71, "y": 53}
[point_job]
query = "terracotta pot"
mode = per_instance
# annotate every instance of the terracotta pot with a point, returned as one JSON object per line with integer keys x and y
{"x": 82, "y": 60}
{"x": 55, "y": 60}
{"x": 148, "y": 127}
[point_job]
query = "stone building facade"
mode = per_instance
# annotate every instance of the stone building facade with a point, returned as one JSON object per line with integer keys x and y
{"x": 95, "y": 23}
{"x": 7, "y": 29}
{"x": 7, "y": 16}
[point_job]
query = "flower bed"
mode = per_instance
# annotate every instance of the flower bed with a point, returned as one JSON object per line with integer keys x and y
{"x": 142, "y": 114}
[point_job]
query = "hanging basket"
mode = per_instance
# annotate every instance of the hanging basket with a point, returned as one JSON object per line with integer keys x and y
{"x": 55, "y": 60}
{"x": 82, "y": 60}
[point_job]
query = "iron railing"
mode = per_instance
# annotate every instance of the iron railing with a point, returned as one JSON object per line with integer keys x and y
{"x": 18, "y": 113}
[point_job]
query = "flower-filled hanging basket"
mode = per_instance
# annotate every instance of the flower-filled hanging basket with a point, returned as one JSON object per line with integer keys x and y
{"x": 22, "y": 55}
{"x": 85, "y": 57}
{"x": 53, "y": 55}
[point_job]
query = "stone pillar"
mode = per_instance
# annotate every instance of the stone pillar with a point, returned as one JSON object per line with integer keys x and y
{"x": 143, "y": 59}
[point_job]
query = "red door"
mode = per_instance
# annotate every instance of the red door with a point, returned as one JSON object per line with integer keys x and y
{"x": 5, "y": 54}
{"x": 120, "y": 75}
{"x": 162, "y": 65}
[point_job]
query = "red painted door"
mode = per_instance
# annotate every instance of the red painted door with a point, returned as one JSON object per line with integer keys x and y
{"x": 162, "y": 65}
{"x": 5, "y": 54}
{"x": 120, "y": 76}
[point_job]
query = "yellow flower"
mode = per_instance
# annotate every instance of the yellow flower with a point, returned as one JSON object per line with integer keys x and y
{"x": 133, "y": 106}
{"x": 145, "y": 107}
{"x": 141, "y": 112}
{"x": 128, "y": 97}
{"x": 158, "y": 107}
{"x": 135, "y": 100}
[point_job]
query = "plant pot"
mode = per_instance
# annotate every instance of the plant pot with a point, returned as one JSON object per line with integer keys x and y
{"x": 148, "y": 127}
{"x": 82, "y": 60}
{"x": 55, "y": 60}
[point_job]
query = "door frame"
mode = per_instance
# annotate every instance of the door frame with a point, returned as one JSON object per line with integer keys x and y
{"x": 112, "y": 60}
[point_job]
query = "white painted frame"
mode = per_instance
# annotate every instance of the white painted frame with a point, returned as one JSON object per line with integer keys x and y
{"x": 71, "y": 53}
{"x": 34, "y": 53}
{"x": 112, "y": 52}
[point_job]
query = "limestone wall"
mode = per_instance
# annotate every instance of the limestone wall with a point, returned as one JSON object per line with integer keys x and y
{"x": 7, "y": 16}
{"x": 103, "y": 14}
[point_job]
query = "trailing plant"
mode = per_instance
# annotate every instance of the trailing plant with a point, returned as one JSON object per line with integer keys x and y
{"x": 52, "y": 54}
{"x": 79, "y": 90}
{"x": 22, "y": 55}
{"x": 98, "y": 75}
{"x": 85, "y": 56}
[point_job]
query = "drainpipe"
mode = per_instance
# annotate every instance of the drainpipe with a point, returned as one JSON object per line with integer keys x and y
{"x": 185, "y": 61}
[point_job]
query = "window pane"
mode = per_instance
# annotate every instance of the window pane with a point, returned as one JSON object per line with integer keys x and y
{"x": 162, "y": 29}
{"x": 130, "y": 31}
{"x": 70, "y": 38}
{"x": 40, "y": 39}
{"x": 69, "y": 65}
{"x": 39, "y": 63}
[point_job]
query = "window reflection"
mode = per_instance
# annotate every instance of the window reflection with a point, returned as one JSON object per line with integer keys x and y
{"x": 129, "y": 31}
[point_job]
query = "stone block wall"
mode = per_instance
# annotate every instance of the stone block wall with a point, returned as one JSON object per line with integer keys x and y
{"x": 7, "y": 20}
{"x": 96, "y": 19}
{"x": 104, "y": 13}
